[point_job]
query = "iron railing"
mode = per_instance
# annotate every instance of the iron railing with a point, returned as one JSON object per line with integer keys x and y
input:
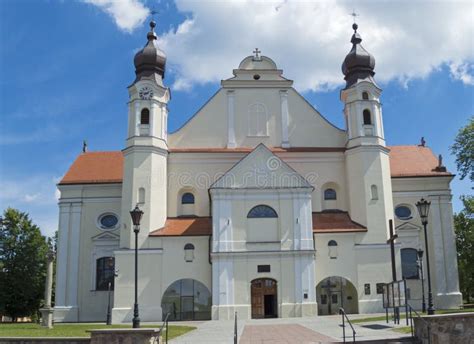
{"x": 412, "y": 330}
{"x": 165, "y": 327}
{"x": 344, "y": 317}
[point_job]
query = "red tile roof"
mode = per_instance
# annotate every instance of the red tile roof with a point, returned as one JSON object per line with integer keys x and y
{"x": 335, "y": 222}
{"x": 323, "y": 222}
{"x": 107, "y": 167}
{"x": 95, "y": 168}
{"x": 185, "y": 226}
{"x": 413, "y": 161}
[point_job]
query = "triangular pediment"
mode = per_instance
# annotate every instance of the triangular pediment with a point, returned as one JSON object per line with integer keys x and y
{"x": 407, "y": 226}
{"x": 261, "y": 169}
{"x": 106, "y": 236}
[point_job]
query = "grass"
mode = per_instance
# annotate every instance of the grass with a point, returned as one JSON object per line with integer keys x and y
{"x": 402, "y": 315}
{"x": 73, "y": 330}
{"x": 404, "y": 329}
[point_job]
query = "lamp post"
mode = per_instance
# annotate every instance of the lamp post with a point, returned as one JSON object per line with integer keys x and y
{"x": 423, "y": 209}
{"x": 420, "y": 265}
{"x": 136, "y": 215}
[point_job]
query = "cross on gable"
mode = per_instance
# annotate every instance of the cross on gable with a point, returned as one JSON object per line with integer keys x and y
{"x": 257, "y": 54}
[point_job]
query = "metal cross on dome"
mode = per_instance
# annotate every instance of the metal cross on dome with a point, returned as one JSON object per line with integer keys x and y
{"x": 257, "y": 54}
{"x": 354, "y": 15}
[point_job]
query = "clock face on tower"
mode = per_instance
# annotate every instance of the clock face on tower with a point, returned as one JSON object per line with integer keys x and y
{"x": 145, "y": 93}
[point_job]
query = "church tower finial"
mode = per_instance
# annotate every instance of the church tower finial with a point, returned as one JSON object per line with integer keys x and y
{"x": 150, "y": 62}
{"x": 358, "y": 64}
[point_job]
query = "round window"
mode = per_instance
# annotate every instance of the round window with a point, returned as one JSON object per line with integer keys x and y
{"x": 108, "y": 221}
{"x": 403, "y": 212}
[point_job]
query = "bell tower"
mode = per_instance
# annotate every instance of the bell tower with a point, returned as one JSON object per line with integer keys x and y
{"x": 146, "y": 149}
{"x": 367, "y": 157}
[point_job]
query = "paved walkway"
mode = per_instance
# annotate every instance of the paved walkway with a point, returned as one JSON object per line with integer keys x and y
{"x": 281, "y": 334}
{"x": 265, "y": 331}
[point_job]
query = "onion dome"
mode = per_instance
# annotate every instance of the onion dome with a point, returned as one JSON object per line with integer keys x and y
{"x": 150, "y": 60}
{"x": 358, "y": 64}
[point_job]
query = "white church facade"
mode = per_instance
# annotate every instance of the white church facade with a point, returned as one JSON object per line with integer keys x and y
{"x": 256, "y": 205}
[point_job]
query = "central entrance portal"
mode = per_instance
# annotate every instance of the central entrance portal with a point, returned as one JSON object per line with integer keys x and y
{"x": 264, "y": 298}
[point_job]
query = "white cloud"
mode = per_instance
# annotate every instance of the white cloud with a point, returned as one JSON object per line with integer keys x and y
{"x": 127, "y": 14}
{"x": 36, "y": 195}
{"x": 309, "y": 40}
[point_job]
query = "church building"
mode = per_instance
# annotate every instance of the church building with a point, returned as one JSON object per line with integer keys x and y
{"x": 256, "y": 205}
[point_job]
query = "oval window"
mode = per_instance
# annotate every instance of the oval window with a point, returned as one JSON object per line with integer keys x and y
{"x": 403, "y": 212}
{"x": 108, "y": 221}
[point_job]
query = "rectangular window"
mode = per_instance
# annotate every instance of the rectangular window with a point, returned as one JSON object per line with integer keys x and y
{"x": 263, "y": 268}
{"x": 334, "y": 298}
{"x": 367, "y": 288}
{"x": 379, "y": 287}
{"x": 324, "y": 299}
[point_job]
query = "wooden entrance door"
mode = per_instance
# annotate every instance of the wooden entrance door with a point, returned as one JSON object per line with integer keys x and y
{"x": 264, "y": 298}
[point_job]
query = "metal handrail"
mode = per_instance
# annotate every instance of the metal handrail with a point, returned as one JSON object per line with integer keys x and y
{"x": 344, "y": 315}
{"x": 428, "y": 325}
{"x": 165, "y": 322}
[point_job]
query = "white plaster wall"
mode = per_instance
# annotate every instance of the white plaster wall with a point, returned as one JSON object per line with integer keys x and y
{"x": 441, "y": 239}
{"x": 80, "y": 208}
{"x": 209, "y": 127}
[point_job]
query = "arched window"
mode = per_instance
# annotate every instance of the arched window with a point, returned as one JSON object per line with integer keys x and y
{"x": 365, "y": 95}
{"x": 409, "y": 263}
{"x": 332, "y": 245}
{"x": 257, "y": 120}
{"x": 367, "y": 117}
{"x": 262, "y": 211}
{"x": 187, "y": 299}
{"x": 374, "y": 192}
{"x": 189, "y": 252}
{"x": 145, "y": 116}
{"x": 105, "y": 273}
{"x": 187, "y": 198}
{"x": 330, "y": 195}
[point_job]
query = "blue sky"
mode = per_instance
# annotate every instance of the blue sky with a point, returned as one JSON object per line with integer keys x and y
{"x": 65, "y": 66}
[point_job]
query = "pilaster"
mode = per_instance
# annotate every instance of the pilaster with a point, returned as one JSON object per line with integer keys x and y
{"x": 230, "y": 119}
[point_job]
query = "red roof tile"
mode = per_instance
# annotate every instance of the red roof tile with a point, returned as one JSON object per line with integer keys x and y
{"x": 95, "y": 168}
{"x": 185, "y": 226}
{"x": 335, "y": 222}
{"x": 413, "y": 161}
{"x": 107, "y": 167}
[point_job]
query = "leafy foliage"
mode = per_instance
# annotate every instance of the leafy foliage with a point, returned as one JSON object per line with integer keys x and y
{"x": 464, "y": 227}
{"x": 463, "y": 149}
{"x": 23, "y": 265}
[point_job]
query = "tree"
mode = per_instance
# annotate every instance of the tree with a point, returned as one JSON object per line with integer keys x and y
{"x": 463, "y": 149}
{"x": 23, "y": 261}
{"x": 464, "y": 227}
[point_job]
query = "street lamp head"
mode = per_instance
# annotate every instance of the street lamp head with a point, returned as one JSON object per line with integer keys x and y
{"x": 423, "y": 207}
{"x": 136, "y": 215}
{"x": 420, "y": 253}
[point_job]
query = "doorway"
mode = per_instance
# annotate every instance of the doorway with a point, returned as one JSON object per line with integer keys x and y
{"x": 264, "y": 298}
{"x": 336, "y": 292}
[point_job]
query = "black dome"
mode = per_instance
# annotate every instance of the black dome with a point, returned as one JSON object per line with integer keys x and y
{"x": 358, "y": 64}
{"x": 150, "y": 59}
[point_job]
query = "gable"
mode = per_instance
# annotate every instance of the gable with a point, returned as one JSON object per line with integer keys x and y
{"x": 261, "y": 169}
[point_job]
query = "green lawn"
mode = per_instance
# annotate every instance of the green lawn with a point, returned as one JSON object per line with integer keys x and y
{"x": 402, "y": 315}
{"x": 404, "y": 329}
{"x": 73, "y": 330}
